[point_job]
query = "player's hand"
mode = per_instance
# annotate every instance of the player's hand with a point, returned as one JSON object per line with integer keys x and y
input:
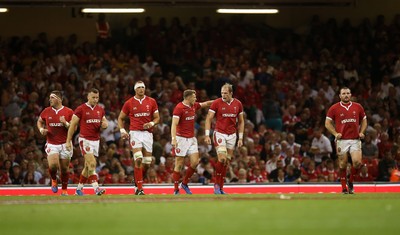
{"x": 43, "y": 131}
{"x": 362, "y": 136}
{"x": 207, "y": 139}
{"x": 124, "y": 134}
{"x": 240, "y": 143}
{"x": 104, "y": 124}
{"x": 338, "y": 136}
{"x": 68, "y": 146}
{"x": 173, "y": 143}
{"x": 148, "y": 125}
{"x": 62, "y": 120}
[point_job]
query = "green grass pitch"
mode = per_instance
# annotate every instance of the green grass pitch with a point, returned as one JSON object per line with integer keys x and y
{"x": 202, "y": 214}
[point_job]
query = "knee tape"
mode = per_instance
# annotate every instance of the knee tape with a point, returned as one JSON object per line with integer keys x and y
{"x": 222, "y": 150}
{"x": 147, "y": 160}
{"x": 137, "y": 155}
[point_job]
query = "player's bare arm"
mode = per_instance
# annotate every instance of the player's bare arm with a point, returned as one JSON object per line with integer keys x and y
{"x": 41, "y": 126}
{"x": 241, "y": 129}
{"x": 175, "y": 122}
{"x": 329, "y": 126}
{"x": 363, "y": 128}
{"x": 71, "y": 131}
{"x": 121, "y": 121}
{"x": 156, "y": 120}
{"x": 207, "y": 127}
{"x": 206, "y": 104}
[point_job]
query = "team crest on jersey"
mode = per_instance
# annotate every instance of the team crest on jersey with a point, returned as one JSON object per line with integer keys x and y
{"x": 87, "y": 148}
{"x": 147, "y": 107}
{"x": 339, "y": 149}
{"x": 219, "y": 141}
{"x": 47, "y": 150}
{"x": 133, "y": 143}
{"x": 177, "y": 150}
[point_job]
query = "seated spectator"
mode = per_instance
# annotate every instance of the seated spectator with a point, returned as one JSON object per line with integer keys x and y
{"x": 363, "y": 176}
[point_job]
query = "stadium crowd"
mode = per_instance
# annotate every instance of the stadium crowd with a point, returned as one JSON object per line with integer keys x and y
{"x": 286, "y": 81}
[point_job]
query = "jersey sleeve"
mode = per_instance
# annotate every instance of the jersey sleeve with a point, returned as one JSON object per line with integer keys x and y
{"x": 240, "y": 107}
{"x": 330, "y": 114}
{"x": 197, "y": 106}
{"x": 155, "y": 106}
{"x": 177, "y": 112}
{"x": 362, "y": 113}
{"x": 79, "y": 112}
{"x": 69, "y": 115}
{"x": 126, "y": 107}
{"x": 43, "y": 114}
{"x": 213, "y": 107}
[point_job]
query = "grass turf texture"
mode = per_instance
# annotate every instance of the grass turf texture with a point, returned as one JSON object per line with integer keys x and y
{"x": 202, "y": 214}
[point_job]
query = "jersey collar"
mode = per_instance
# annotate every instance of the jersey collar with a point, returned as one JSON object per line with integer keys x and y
{"x": 140, "y": 100}
{"x": 91, "y": 106}
{"x": 57, "y": 110}
{"x": 346, "y": 106}
{"x": 229, "y": 103}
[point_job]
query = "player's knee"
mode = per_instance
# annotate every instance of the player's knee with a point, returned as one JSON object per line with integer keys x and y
{"x": 147, "y": 160}
{"x": 222, "y": 150}
{"x": 138, "y": 155}
{"x": 357, "y": 164}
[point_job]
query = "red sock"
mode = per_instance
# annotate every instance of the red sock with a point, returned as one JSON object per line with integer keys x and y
{"x": 53, "y": 173}
{"x": 92, "y": 179}
{"x": 189, "y": 173}
{"x": 139, "y": 178}
{"x": 218, "y": 172}
{"x": 176, "y": 176}
{"x": 82, "y": 179}
{"x": 343, "y": 176}
{"x": 224, "y": 169}
{"x": 64, "y": 180}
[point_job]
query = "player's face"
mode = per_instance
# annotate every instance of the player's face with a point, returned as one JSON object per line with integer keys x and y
{"x": 93, "y": 98}
{"x": 140, "y": 91}
{"x": 345, "y": 95}
{"x": 53, "y": 102}
{"x": 225, "y": 94}
{"x": 192, "y": 99}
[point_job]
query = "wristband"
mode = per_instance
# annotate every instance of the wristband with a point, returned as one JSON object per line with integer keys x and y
{"x": 67, "y": 124}
{"x": 240, "y": 136}
{"x": 207, "y": 133}
{"x": 123, "y": 131}
{"x": 152, "y": 124}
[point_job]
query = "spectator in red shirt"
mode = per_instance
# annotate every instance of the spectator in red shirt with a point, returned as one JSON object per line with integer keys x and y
{"x": 364, "y": 176}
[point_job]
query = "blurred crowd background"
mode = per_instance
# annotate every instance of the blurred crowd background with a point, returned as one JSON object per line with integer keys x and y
{"x": 286, "y": 82}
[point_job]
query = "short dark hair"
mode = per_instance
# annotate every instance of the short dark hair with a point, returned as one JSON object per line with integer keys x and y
{"x": 57, "y": 93}
{"x": 94, "y": 90}
{"x": 344, "y": 88}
